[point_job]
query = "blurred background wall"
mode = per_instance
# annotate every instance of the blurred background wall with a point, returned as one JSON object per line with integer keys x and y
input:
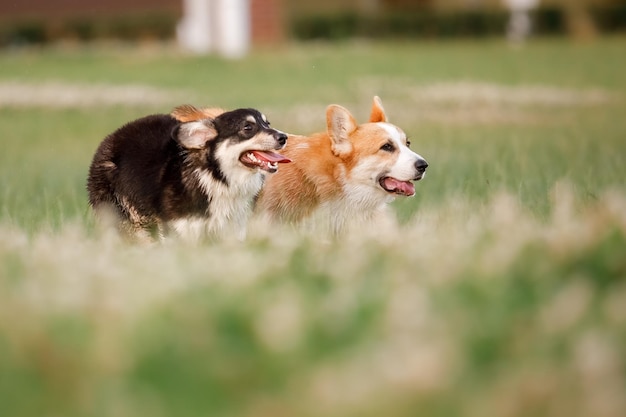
{"x": 273, "y": 21}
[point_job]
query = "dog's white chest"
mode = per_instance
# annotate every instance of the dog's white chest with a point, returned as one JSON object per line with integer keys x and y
{"x": 229, "y": 208}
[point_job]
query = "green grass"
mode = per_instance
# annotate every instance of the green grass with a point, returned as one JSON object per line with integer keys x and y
{"x": 502, "y": 291}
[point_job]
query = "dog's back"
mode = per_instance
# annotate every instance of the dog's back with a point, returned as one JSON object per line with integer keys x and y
{"x": 131, "y": 161}
{"x": 130, "y": 174}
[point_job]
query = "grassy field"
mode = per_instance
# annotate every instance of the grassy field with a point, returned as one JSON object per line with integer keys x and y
{"x": 501, "y": 293}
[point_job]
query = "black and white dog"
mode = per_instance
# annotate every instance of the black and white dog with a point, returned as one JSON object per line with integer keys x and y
{"x": 157, "y": 175}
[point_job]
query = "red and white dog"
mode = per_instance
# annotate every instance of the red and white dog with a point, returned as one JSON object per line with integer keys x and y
{"x": 348, "y": 173}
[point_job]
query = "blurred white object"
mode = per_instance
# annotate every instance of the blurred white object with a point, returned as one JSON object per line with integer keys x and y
{"x": 233, "y": 27}
{"x": 215, "y": 25}
{"x": 520, "y": 24}
{"x": 194, "y": 30}
{"x": 521, "y": 4}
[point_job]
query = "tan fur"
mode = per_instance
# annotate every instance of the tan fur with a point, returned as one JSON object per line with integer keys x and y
{"x": 378, "y": 113}
{"x": 305, "y": 183}
{"x": 188, "y": 113}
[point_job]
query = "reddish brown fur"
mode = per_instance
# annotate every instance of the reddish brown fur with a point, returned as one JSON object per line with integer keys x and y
{"x": 315, "y": 176}
{"x": 309, "y": 180}
{"x": 188, "y": 113}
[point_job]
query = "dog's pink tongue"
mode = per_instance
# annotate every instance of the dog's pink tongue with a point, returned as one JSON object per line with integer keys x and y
{"x": 271, "y": 156}
{"x": 401, "y": 187}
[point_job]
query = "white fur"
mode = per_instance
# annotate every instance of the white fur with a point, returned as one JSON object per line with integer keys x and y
{"x": 231, "y": 205}
{"x": 190, "y": 229}
{"x": 229, "y": 209}
{"x": 338, "y": 215}
{"x": 404, "y": 167}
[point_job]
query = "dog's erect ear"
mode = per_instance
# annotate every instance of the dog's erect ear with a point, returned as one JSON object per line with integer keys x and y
{"x": 378, "y": 112}
{"x": 195, "y": 135}
{"x": 340, "y": 124}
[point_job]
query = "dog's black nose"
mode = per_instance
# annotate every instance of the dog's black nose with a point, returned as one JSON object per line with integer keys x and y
{"x": 281, "y": 138}
{"x": 421, "y": 165}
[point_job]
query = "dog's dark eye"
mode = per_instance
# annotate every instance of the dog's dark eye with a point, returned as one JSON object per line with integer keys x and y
{"x": 408, "y": 143}
{"x": 387, "y": 147}
{"x": 248, "y": 127}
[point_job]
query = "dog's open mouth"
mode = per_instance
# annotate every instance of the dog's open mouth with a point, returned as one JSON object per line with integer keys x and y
{"x": 266, "y": 160}
{"x": 392, "y": 185}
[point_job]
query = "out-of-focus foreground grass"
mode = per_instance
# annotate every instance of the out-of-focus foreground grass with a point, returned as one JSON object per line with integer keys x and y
{"x": 502, "y": 292}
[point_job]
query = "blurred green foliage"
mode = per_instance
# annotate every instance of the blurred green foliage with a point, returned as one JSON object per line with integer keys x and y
{"x": 502, "y": 293}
